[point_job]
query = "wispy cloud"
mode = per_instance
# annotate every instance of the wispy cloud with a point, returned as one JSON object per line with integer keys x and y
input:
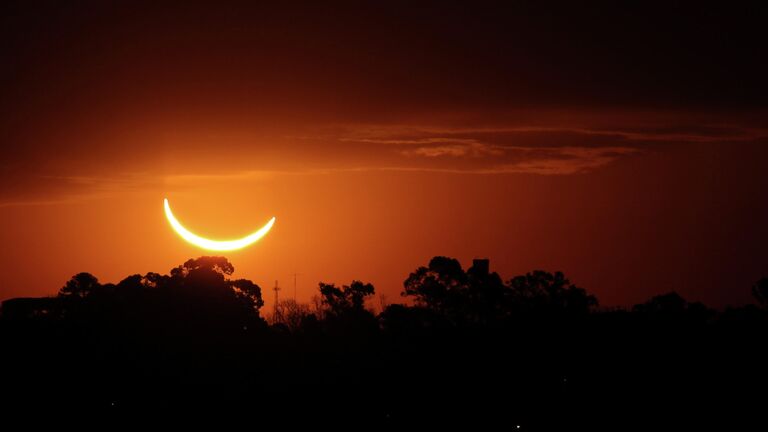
{"x": 537, "y": 161}
{"x": 409, "y": 141}
{"x": 48, "y": 190}
{"x": 63, "y": 199}
{"x": 566, "y": 160}
{"x": 471, "y": 148}
{"x": 501, "y": 150}
{"x": 653, "y": 132}
{"x": 570, "y": 147}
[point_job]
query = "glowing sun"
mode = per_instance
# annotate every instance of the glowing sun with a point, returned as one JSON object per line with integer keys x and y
{"x": 215, "y": 245}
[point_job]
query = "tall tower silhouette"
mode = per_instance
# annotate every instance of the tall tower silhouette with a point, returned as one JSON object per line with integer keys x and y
{"x": 277, "y": 315}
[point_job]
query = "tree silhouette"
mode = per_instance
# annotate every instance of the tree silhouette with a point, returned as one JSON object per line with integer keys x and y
{"x": 663, "y": 306}
{"x": 204, "y": 264}
{"x": 80, "y": 286}
{"x": 344, "y": 313}
{"x": 438, "y": 285}
{"x": 672, "y": 309}
{"x": 202, "y": 287}
{"x": 132, "y": 283}
{"x": 760, "y": 292}
{"x": 155, "y": 280}
{"x": 543, "y": 291}
{"x": 293, "y": 313}
{"x": 348, "y": 298}
{"x": 479, "y": 297}
{"x": 248, "y": 292}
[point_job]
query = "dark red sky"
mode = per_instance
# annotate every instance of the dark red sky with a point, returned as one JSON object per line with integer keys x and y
{"x": 624, "y": 145}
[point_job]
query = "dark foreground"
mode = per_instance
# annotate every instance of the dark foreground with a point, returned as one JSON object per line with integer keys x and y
{"x": 155, "y": 350}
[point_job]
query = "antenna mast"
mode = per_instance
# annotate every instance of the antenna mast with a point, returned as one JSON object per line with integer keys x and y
{"x": 294, "y": 284}
{"x": 277, "y": 315}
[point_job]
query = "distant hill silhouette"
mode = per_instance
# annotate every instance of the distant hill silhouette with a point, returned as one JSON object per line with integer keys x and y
{"x": 467, "y": 348}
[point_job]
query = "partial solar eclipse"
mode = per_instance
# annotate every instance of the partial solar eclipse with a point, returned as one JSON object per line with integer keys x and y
{"x": 215, "y": 245}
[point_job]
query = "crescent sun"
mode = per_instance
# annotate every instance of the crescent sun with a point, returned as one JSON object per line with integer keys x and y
{"x": 215, "y": 245}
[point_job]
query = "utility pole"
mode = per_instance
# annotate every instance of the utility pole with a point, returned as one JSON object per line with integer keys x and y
{"x": 277, "y": 315}
{"x": 294, "y": 285}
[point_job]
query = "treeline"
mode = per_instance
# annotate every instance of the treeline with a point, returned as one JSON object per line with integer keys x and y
{"x": 467, "y": 346}
{"x": 441, "y": 295}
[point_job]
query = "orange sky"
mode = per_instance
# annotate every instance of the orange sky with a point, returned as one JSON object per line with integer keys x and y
{"x": 625, "y": 224}
{"x": 377, "y": 150}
